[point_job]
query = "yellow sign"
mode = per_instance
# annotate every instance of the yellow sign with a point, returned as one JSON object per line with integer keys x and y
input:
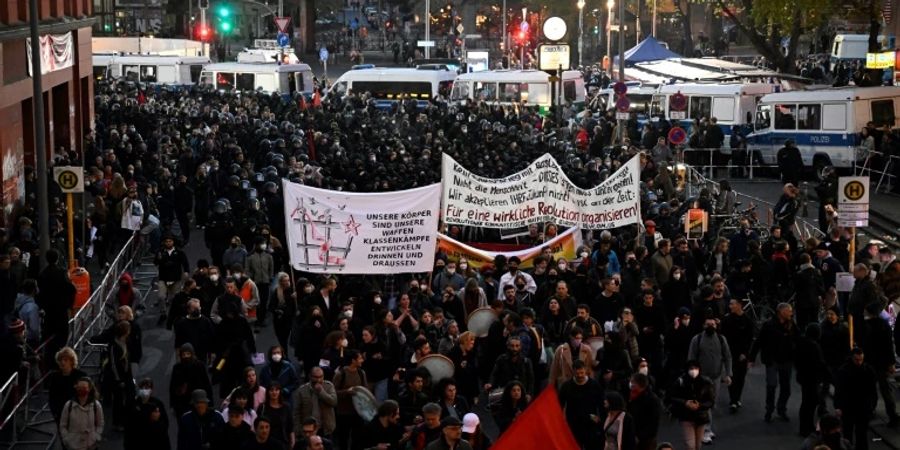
{"x": 882, "y": 60}
{"x": 854, "y": 190}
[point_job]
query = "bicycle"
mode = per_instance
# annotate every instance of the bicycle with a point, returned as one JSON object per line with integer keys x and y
{"x": 759, "y": 312}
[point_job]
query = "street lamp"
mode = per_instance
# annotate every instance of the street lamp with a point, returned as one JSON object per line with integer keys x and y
{"x": 609, "y": 6}
{"x": 580, "y": 29}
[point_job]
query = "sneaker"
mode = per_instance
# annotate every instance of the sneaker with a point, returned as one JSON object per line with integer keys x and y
{"x": 733, "y": 408}
{"x": 740, "y": 404}
{"x": 707, "y": 440}
{"x": 712, "y": 434}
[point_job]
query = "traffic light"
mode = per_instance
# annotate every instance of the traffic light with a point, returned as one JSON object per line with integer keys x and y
{"x": 225, "y": 18}
{"x": 596, "y": 29}
{"x": 521, "y": 36}
{"x": 203, "y": 33}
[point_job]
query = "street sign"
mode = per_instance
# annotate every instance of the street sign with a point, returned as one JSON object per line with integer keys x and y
{"x": 522, "y": 26}
{"x": 620, "y": 88}
{"x": 678, "y": 102}
{"x": 282, "y": 23}
{"x": 460, "y": 28}
{"x": 623, "y": 116}
{"x": 283, "y": 40}
{"x": 853, "y": 201}
{"x": 472, "y": 36}
{"x": 677, "y": 135}
{"x": 425, "y": 44}
{"x": 323, "y": 54}
{"x": 623, "y": 104}
{"x": 69, "y": 178}
{"x": 552, "y": 56}
{"x": 678, "y": 115}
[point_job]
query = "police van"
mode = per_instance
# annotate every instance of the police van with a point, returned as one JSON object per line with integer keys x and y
{"x": 151, "y": 69}
{"x": 509, "y": 87}
{"x": 824, "y": 123}
{"x": 389, "y": 85}
{"x": 639, "y": 96}
{"x": 283, "y": 79}
{"x": 731, "y": 104}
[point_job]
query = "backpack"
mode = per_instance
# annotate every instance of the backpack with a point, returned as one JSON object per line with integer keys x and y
{"x": 72, "y": 405}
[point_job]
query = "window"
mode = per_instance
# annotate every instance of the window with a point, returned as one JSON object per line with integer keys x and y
{"x": 245, "y": 82}
{"x": 809, "y": 117}
{"x": 537, "y": 94}
{"x": 148, "y": 74}
{"x": 723, "y": 109}
{"x": 167, "y": 75}
{"x": 569, "y": 93}
{"x": 444, "y": 88}
{"x": 99, "y": 73}
{"x": 512, "y": 92}
{"x": 657, "y": 105}
{"x": 206, "y": 78}
{"x": 225, "y": 81}
{"x": 785, "y": 117}
{"x": 700, "y": 107}
{"x": 763, "y": 117}
{"x": 130, "y": 73}
{"x": 296, "y": 82}
{"x": 460, "y": 91}
{"x": 485, "y": 91}
{"x": 340, "y": 88}
{"x": 834, "y": 117}
{"x": 195, "y": 72}
{"x": 640, "y": 102}
{"x": 883, "y": 113}
{"x": 387, "y": 90}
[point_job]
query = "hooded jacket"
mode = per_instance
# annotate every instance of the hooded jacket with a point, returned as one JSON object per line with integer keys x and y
{"x": 127, "y": 296}
{"x": 81, "y": 426}
{"x": 27, "y": 309}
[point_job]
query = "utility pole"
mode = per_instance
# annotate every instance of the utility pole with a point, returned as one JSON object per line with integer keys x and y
{"x": 653, "y": 24}
{"x": 580, "y": 5}
{"x": 427, "y": 29}
{"x": 620, "y": 128}
{"x": 204, "y": 5}
{"x": 505, "y": 34}
{"x": 40, "y": 151}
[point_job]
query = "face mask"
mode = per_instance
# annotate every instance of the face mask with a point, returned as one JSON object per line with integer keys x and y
{"x": 644, "y": 370}
{"x": 686, "y": 322}
{"x": 260, "y": 247}
{"x": 676, "y": 276}
{"x": 344, "y": 343}
{"x": 276, "y": 357}
{"x": 195, "y": 313}
{"x": 214, "y": 277}
{"x": 584, "y": 254}
{"x": 562, "y": 267}
{"x": 710, "y": 330}
{"x": 377, "y": 300}
{"x": 576, "y": 343}
{"x": 520, "y": 286}
{"x": 463, "y": 266}
{"x": 144, "y": 393}
{"x": 348, "y": 313}
{"x": 694, "y": 373}
{"x": 237, "y": 274}
{"x": 630, "y": 386}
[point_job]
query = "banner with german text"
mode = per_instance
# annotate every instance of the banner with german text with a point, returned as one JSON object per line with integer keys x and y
{"x": 540, "y": 193}
{"x": 361, "y": 233}
{"x": 563, "y": 246}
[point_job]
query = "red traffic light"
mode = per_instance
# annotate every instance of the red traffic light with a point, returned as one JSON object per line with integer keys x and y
{"x": 522, "y": 36}
{"x": 203, "y": 33}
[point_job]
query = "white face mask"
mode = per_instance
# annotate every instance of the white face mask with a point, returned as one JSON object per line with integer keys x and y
{"x": 686, "y": 322}
{"x": 344, "y": 343}
{"x": 276, "y": 357}
{"x": 348, "y": 313}
{"x": 463, "y": 266}
{"x": 236, "y": 274}
{"x": 214, "y": 277}
{"x": 377, "y": 300}
{"x": 676, "y": 276}
{"x": 584, "y": 254}
{"x": 644, "y": 370}
{"x": 694, "y": 373}
{"x": 562, "y": 266}
{"x": 144, "y": 393}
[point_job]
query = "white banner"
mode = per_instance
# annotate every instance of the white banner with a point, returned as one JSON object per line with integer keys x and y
{"x": 540, "y": 193}
{"x": 361, "y": 233}
{"x": 57, "y": 52}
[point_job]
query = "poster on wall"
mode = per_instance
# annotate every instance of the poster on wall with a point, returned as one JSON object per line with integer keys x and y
{"x": 13, "y": 177}
{"x": 563, "y": 246}
{"x": 57, "y": 52}
{"x": 361, "y": 233}
{"x": 540, "y": 193}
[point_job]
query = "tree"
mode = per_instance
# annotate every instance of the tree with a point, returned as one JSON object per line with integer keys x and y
{"x": 766, "y": 22}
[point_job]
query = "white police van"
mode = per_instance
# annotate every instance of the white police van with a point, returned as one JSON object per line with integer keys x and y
{"x": 508, "y": 87}
{"x": 284, "y": 79}
{"x": 152, "y": 69}
{"x": 389, "y": 85}
{"x": 824, "y": 123}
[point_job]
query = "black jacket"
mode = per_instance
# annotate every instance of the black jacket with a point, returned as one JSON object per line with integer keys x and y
{"x": 878, "y": 343}
{"x": 738, "y": 331}
{"x": 809, "y": 288}
{"x": 810, "y": 362}
{"x": 187, "y": 376}
{"x": 776, "y": 342}
{"x": 855, "y": 391}
{"x": 171, "y": 265}
{"x": 646, "y": 410}
{"x": 199, "y": 332}
{"x": 686, "y": 388}
{"x": 506, "y": 370}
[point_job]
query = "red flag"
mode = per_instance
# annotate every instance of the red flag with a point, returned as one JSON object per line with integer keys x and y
{"x": 302, "y": 102}
{"x": 141, "y": 98}
{"x": 543, "y": 421}
{"x": 316, "y": 100}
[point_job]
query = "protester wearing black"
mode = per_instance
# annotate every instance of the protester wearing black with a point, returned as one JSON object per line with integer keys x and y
{"x": 855, "y": 398}
{"x": 777, "y": 344}
{"x": 739, "y": 331}
{"x": 582, "y": 400}
{"x": 56, "y": 298}
{"x": 811, "y": 372}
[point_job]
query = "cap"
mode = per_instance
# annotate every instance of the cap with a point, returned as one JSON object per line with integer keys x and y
{"x": 470, "y": 423}
{"x": 822, "y": 246}
{"x": 199, "y": 396}
{"x": 450, "y": 421}
{"x": 683, "y": 311}
{"x": 650, "y": 224}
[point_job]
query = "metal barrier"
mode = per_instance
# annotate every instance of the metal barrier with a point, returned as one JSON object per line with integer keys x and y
{"x": 91, "y": 318}
{"x": 885, "y": 175}
{"x": 708, "y": 160}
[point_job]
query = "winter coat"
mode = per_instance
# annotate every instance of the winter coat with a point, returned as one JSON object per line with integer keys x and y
{"x": 27, "y": 309}
{"x": 687, "y": 388}
{"x": 81, "y": 426}
{"x": 303, "y": 406}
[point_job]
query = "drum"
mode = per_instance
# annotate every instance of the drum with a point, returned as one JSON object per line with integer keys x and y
{"x": 480, "y": 321}
{"x": 364, "y": 403}
{"x": 596, "y": 344}
{"x": 439, "y": 366}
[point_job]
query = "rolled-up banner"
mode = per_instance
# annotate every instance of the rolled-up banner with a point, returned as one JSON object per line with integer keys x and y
{"x": 361, "y": 233}
{"x": 562, "y": 246}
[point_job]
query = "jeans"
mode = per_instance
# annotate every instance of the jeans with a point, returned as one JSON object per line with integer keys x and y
{"x": 381, "y": 390}
{"x": 778, "y": 374}
{"x": 165, "y": 292}
{"x": 856, "y": 428}
{"x": 809, "y": 392}
{"x": 693, "y": 435}
{"x": 736, "y": 390}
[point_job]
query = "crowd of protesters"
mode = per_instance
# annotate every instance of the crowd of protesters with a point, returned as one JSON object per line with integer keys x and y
{"x": 165, "y": 167}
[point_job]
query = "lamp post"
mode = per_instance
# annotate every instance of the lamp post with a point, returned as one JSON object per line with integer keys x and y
{"x": 580, "y": 30}
{"x": 621, "y": 128}
{"x": 653, "y": 24}
{"x": 427, "y": 28}
{"x": 503, "y": 29}
{"x": 609, "y": 7}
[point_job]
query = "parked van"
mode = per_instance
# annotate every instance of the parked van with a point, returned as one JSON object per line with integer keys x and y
{"x": 269, "y": 77}
{"x": 170, "y": 70}
{"x": 853, "y": 46}
{"x": 507, "y": 87}
{"x": 825, "y": 123}
{"x": 389, "y": 85}
{"x": 639, "y": 95}
{"x": 731, "y": 104}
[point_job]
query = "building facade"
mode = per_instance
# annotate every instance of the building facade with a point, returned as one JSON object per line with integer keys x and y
{"x": 65, "y": 30}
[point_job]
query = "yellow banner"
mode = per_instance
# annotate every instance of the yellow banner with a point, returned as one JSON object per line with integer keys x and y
{"x": 882, "y": 60}
{"x": 563, "y": 246}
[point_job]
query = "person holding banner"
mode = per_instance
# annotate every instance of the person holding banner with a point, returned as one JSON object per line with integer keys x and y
{"x": 509, "y": 278}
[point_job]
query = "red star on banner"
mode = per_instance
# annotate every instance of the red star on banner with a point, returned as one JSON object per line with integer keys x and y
{"x": 352, "y": 226}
